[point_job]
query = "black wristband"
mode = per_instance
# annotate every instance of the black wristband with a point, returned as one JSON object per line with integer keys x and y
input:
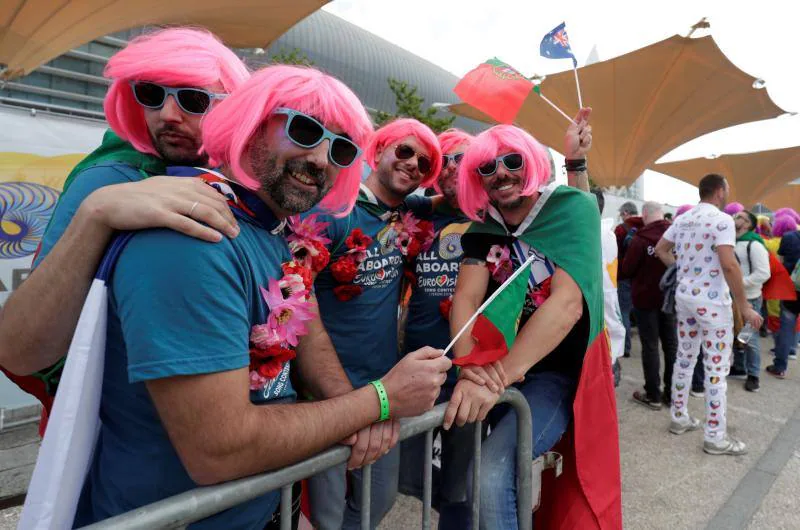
{"x": 575, "y": 165}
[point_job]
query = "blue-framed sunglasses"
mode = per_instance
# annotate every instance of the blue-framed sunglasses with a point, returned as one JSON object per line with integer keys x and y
{"x": 191, "y": 100}
{"x": 512, "y": 161}
{"x": 454, "y": 158}
{"x": 307, "y": 132}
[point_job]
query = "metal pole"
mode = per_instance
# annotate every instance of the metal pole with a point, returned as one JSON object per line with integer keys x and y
{"x": 427, "y": 481}
{"x": 476, "y": 476}
{"x": 524, "y": 457}
{"x": 286, "y": 507}
{"x": 366, "y": 493}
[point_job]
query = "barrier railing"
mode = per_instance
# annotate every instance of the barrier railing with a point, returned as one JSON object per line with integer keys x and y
{"x": 180, "y": 510}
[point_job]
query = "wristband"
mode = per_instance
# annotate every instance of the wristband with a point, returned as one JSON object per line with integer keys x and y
{"x": 575, "y": 165}
{"x": 384, "y": 398}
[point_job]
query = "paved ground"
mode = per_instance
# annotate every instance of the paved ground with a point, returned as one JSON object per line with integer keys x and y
{"x": 668, "y": 482}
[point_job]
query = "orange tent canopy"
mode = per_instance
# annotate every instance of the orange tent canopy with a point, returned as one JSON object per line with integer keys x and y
{"x": 752, "y": 176}
{"x": 786, "y": 196}
{"x": 33, "y": 32}
{"x": 645, "y": 104}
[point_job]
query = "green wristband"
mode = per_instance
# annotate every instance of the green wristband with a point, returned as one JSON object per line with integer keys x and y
{"x": 384, "y": 397}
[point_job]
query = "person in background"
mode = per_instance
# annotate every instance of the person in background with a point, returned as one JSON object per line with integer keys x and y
{"x": 631, "y": 222}
{"x": 786, "y": 337}
{"x": 753, "y": 259}
{"x": 704, "y": 240}
{"x": 645, "y": 270}
{"x": 733, "y": 208}
{"x": 612, "y": 314}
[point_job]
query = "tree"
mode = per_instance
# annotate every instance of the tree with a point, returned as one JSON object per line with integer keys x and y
{"x": 409, "y": 105}
{"x": 295, "y": 56}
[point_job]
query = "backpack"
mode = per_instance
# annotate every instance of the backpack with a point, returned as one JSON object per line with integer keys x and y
{"x": 628, "y": 238}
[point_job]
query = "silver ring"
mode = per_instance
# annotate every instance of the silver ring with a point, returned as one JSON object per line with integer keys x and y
{"x": 192, "y": 208}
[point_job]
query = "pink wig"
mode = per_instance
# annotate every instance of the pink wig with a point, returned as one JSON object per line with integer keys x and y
{"x": 498, "y": 140}
{"x": 229, "y": 127}
{"x": 788, "y": 211}
{"x": 449, "y": 140}
{"x": 682, "y": 210}
{"x": 783, "y": 225}
{"x": 396, "y": 130}
{"x": 733, "y": 208}
{"x": 181, "y": 57}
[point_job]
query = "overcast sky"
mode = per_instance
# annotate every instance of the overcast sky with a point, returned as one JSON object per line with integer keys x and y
{"x": 760, "y": 38}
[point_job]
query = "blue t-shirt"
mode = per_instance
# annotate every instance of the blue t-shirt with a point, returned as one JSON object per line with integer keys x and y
{"x": 790, "y": 250}
{"x": 177, "y": 306}
{"x": 364, "y": 329}
{"x": 436, "y": 271}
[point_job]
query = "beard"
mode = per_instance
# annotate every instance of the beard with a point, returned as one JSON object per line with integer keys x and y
{"x": 281, "y": 187}
{"x": 508, "y": 204}
{"x": 178, "y": 155}
{"x": 395, "y": 188}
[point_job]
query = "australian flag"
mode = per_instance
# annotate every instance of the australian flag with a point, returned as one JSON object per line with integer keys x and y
{"x": 555, "y": 45}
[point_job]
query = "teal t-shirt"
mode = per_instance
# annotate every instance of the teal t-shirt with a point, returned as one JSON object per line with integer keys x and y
{"x": 177, "y": 306}
{"x": 436, "y": 271}
{"x": 364, "y": 329}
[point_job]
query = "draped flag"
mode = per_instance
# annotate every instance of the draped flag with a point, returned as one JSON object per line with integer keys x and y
{"x": 496, "y": 89}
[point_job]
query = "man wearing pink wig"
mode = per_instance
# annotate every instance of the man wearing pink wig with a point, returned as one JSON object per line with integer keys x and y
{"x": 359, "y": 293}
{"x": 560, "y": 358}
{"x": 196, "y": 384}
{"x": 163, "y": 83}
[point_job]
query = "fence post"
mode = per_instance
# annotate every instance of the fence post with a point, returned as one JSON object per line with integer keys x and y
{"x": 286, "y": 507}
{"x": 366, "y": 494}
{"x": 427, "y": 478}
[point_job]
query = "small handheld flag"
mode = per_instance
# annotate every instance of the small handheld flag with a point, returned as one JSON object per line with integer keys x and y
{"x": 497, "y": 319}
{"x": 496, "y": 89}
{"x": 555, "y": 45}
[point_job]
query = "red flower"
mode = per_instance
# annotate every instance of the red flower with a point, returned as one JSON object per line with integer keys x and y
{"x": 414, "y": 248}
{"x": 347, "y": 292}
{"x": 293, "y": 267}
{"x": 344, "y": 269}
{"x": 445, "y": 306}
{"x": 320, "y": 261}
{"x": 270, "y": 368}
{"x": 358, "y": 239}
{"x": 409, "y": 275}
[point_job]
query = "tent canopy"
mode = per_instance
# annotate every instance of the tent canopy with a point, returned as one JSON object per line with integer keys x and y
{"x": 645, "y": 104}
{"x": 752, "y": 176}
{"x": 33, "y": 32}
{"x": 786, "y": 196}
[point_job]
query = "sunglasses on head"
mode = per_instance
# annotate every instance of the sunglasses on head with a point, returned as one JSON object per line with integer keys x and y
{"x": 405, "y": 152}
{"x": 190, "y": 100}
{"x": 307, "y": 132}
{"x": 512, "y": 161}
{"x": 455, "y": 158}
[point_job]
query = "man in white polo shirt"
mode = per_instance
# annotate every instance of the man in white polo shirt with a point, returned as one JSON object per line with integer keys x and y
{"x": 704, "y": 240}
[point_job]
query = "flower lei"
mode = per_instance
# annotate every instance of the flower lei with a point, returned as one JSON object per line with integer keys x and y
{"x": 499, "y": 263}
{"x": 411, "y": 236}
{"x": 273, "y": 343}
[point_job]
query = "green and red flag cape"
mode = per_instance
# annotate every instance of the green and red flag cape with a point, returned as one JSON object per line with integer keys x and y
{"x": 564, "y": 225}
{"x": 496, "y": 89}
{"x": 42, "y": 385}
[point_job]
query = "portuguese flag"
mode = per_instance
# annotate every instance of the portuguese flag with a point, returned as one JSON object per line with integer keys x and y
{"x": 496, "y": 89}
{"x": 564, "y": 226}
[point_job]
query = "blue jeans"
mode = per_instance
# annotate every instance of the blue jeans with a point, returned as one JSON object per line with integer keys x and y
{"x": 786, "y": 339}
{"x": 748, "y": 357}
{"x": 625, "y": 297}
{"x": 550, "y": 396}
{"x": 449, "y": 492}
{"x": 332, "y": 508}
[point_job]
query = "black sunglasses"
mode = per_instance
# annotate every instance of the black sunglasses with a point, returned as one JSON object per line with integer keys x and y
{"x": 404, "y": 152}
{"x": 307, "y": 132}
{"x": 190, "y": 100}
{"x": 512, "y": 161}
{"x": 455, "y": 157}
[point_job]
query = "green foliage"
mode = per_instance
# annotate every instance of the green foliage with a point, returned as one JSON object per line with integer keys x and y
{"x": 409, "y": 105}
{"x": 295, "y": 56}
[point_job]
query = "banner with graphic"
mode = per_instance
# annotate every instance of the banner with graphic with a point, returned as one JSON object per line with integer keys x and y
{"x": 37, "y": 152}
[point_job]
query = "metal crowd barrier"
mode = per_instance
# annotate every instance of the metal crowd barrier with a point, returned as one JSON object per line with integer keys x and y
{"x": 179, "y": 511}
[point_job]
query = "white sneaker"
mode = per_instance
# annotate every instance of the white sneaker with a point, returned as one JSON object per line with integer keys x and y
{"x": 696, "y": 394}
{"x": 728, "y": 446}
{"x": 676, "y": 427}
{"x": 792, "y": 356}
